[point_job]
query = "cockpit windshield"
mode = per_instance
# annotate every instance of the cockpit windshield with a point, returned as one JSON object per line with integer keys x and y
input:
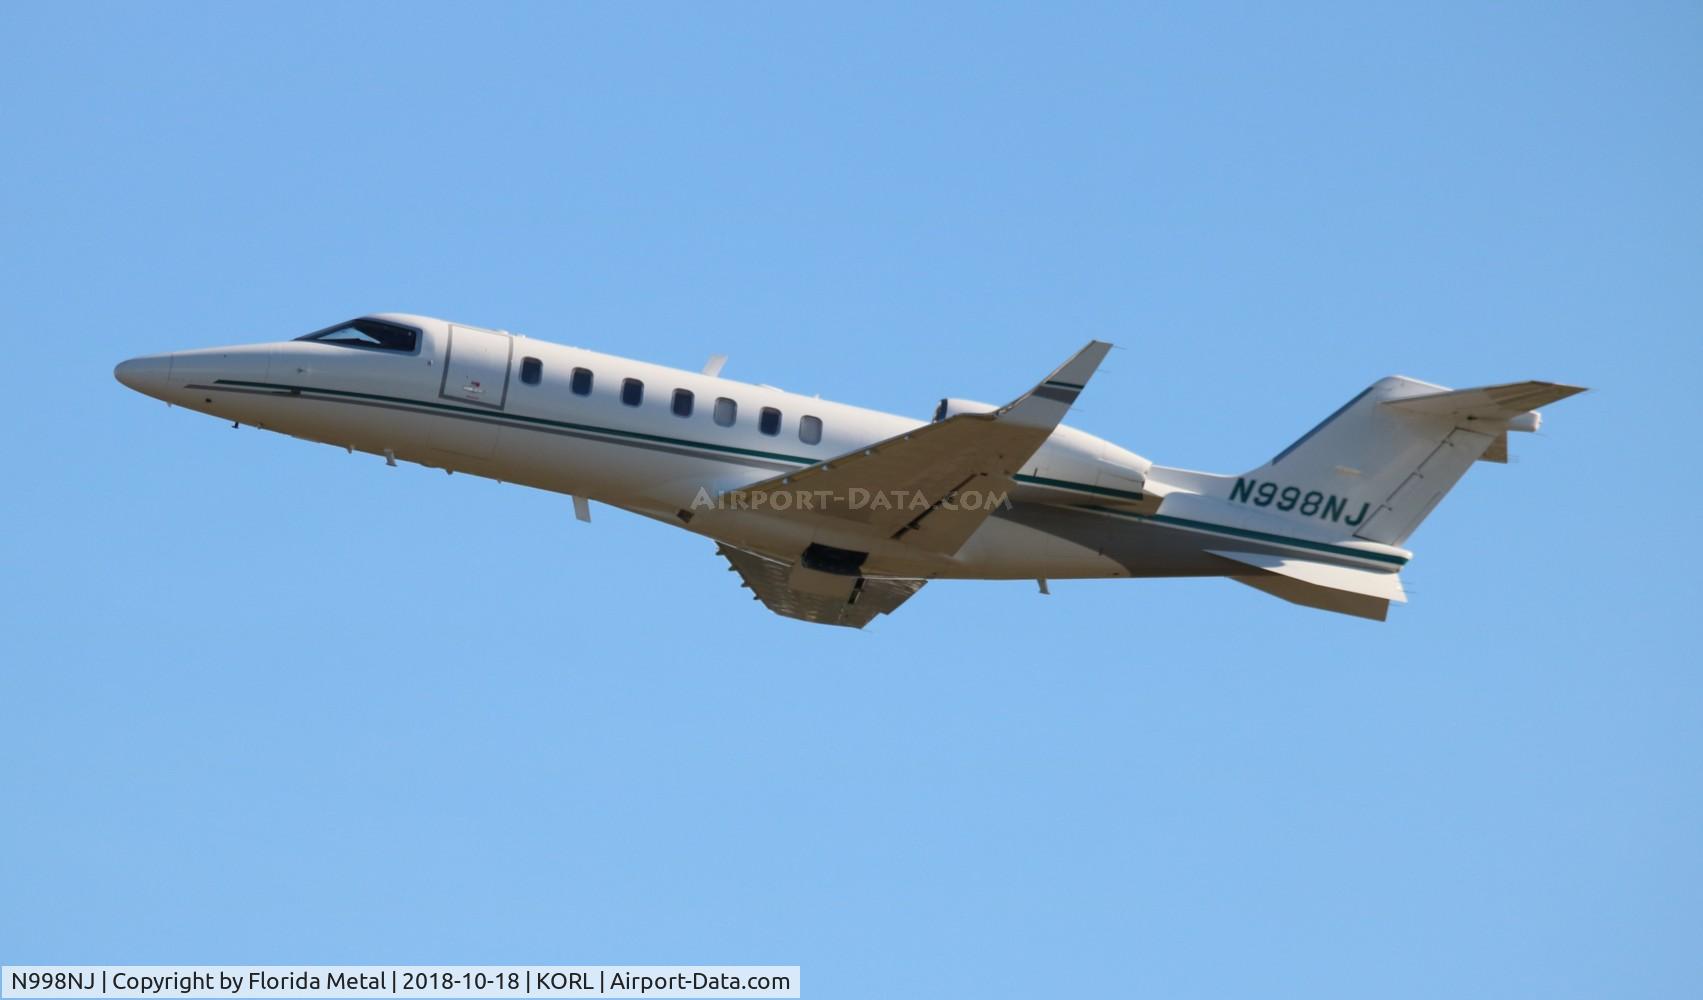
{"x": 373, "y": 334}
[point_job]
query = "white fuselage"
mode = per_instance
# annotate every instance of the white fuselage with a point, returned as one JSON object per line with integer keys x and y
{"x": 512, "y": 408}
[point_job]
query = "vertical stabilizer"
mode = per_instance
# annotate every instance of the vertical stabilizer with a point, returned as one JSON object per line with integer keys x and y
{"x": 1381, "y": 463}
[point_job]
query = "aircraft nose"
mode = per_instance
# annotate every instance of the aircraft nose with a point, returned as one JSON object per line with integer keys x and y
{"x": 149, "y": 374}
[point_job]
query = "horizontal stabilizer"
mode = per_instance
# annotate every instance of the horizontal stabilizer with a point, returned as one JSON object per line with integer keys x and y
{"x": 1344, "y": 589}
{"x": 1490, "y": 402}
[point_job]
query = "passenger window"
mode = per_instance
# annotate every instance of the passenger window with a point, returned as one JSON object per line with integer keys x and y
{"x": 531, "y": 371}
{"x": 369, "y": 333}
{"x": 769, "y": 421}
{"x": 581, "y": 382}
{"x": 682, "y": 404}
{"x": 810, "y": 430}
{"x": 632, "y": 391}
{"x": 726, "y": 411}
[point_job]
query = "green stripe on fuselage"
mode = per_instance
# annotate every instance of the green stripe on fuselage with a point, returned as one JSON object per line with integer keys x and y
{"x": 522, "y": 420}
{"x": 501, "y": 415}
{"x": 1258, "y": 536}
{"x": 1105, "y": 491}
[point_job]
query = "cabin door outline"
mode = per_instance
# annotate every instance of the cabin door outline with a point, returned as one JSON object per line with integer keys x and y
{"x": 476, "y": 367}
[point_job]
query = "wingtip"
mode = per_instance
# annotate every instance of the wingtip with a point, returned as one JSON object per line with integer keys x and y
{"x": 1081, "y": 366}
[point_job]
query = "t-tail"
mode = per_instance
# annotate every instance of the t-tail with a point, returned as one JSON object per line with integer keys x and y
{"x": 1336, "y": 506}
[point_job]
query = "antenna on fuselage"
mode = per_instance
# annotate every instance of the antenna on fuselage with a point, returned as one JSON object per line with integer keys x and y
{"x": 712, "y": 367}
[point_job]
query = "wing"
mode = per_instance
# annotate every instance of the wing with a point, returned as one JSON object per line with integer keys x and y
{"x": 934, "y": 486}
{"x": 855, "y": 606}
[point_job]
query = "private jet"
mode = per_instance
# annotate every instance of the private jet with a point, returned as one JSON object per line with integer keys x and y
{"x": 835, "y": 514}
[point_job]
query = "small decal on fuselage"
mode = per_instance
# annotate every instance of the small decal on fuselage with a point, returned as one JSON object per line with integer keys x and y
{"x": 1308, "y": 503}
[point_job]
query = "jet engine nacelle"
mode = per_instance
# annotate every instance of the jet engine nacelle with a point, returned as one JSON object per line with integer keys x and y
{"x": 953, "y": 407}
{"x": 1071, "y": 456}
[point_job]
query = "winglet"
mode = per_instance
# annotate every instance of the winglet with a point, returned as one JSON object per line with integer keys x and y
{"x": 1046, "y": 404}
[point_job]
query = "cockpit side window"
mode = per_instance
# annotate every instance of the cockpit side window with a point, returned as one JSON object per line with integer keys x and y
{"x": 372, "y": 334}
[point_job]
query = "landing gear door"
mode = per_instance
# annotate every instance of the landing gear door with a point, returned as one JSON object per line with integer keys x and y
{"x": 476, "y": 366}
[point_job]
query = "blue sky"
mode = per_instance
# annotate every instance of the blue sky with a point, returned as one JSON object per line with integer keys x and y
{"x": 258, "y": 707}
